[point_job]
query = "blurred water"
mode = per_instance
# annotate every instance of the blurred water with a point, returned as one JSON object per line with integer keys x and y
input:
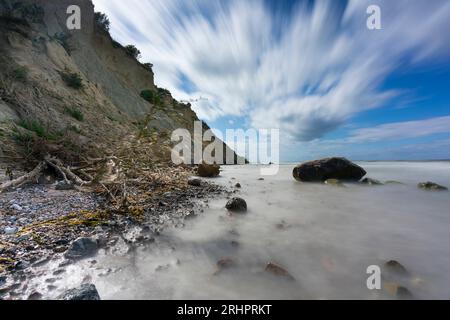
{"x": 325, "y": 236}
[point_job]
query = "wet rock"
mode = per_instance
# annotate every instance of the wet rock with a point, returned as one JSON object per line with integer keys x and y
{"x": 396, "y": 267}
{"x": 208, "y": 170}
{"x": 85, "y": 292}
{"x": 82, "y": 248}
{"x": 236, "y": 205}
{"x": 397, "y": 290}
{"x": 63, "y": 186}
{"x": 431, "y": 186}
{"x": 277, "y": 270}
{"x": 393, "y": 182}
{"x": 329, "y": 168}
{"x": 224, "y": 264}
{"x": 35, "y": 296}
{"x": 371, "y": 182}
{"x": 195, "y": 182}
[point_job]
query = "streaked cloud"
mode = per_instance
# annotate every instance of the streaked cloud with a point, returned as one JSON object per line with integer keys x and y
{"x": 307, "y": 73}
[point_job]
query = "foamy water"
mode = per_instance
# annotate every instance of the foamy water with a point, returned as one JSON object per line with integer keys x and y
{"x": 325, "y": 236}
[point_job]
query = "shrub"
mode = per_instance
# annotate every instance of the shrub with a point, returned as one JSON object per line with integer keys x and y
{"x": 75, "y": 113}
{"x": 102, "y": 21}
{"x": 151, "y": 96}
{"x": 73, "y": 80}
{"x": 132, "y": 51}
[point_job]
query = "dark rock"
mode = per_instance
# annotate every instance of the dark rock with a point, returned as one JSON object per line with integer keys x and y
{"x": 195, "y": 182}
{"x": 395, "y": 266}
{"x": 238, "y": 185}
{"x": 431, "y": 186}
{"x": 277, "y": 270}
{"x": 371, "y": 182}
{"x": 82, "y": 248}
{"x": 62, "y": 186}
{"x": 35, "y": 296}
{"x": 208, "y": 170}
{"x": 329, "y": 168}
{"x": 85, "y": 292}
{"x": 236, "y": 205}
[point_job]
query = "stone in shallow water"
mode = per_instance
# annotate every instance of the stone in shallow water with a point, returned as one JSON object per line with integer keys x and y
{"x": 85, "y": 292}
{"x": 82, "y": 248}
{"x": 431, "y": 186}
{"x": 329, "y": 168}
{"x": 236, "y": 205}
{"x": 278, "y": 270}
{"x": 371, "y": 182}
{"x": 395, "y": 266}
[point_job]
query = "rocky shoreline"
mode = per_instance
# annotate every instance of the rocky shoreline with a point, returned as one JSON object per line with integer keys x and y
{"x": 39, "y": 224}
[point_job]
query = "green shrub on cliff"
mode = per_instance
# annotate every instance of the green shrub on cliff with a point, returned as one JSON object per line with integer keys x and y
{"x": 73, "y": 80}
{"x": 151, "y": 96}
{"x": 102, "y": 21}
{"x": 132, "y": 51}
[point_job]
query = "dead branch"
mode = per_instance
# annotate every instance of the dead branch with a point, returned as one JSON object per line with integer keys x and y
{"x": 31, "y": 176}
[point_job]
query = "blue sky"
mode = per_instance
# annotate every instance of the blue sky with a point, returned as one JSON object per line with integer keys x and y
{"x": 311, "y": 69}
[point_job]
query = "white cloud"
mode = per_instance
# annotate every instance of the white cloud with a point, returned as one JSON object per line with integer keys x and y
{"x": 401, "y": 130}
{"x": 306, "y": 75}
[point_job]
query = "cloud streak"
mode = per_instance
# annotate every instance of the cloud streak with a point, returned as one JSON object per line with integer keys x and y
{"x": 306, "y": 73}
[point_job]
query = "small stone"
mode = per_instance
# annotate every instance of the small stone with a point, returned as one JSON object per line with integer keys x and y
{"x": 236, "y": 205}
{"x": 431, "y": 186}
{"x": 277, "y": 270}
{"x": 63, "y": 186}
{"x": 195, "y": 182}
{"x": 35, "y": 296}
{"x": 85, "y": 292}
{"x": 10, "y": 230}
{"x": 371, "y": 182}
{"x": 82, "y": 248}
{"x": 16, "y": 207}
{"x": 238, "y": 185}
{"x": 395, "y": 266}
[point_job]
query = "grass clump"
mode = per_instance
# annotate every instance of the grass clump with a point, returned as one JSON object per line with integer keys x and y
{"x": 37, "y": 128}
{"x": 20, "y": 74}
{"x": 34, "y": 126}
{"x": 75, "y": 113}
{"x": 73, "y": 80}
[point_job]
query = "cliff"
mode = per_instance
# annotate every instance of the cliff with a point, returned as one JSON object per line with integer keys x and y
{"x": 76, "y": 93}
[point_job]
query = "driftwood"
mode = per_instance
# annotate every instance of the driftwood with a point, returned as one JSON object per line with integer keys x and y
{"x": 29, "y": 177}
{"x": 73, "y": 176}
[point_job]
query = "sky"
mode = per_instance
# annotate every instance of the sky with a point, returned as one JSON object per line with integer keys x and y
{"x": 311, "y": 69}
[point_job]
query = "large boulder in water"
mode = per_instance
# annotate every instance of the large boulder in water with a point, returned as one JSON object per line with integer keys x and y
{"x": 329, "y": 168}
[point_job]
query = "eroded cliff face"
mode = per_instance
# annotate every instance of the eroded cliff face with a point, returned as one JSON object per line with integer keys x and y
{"x": 75, "y": 93}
